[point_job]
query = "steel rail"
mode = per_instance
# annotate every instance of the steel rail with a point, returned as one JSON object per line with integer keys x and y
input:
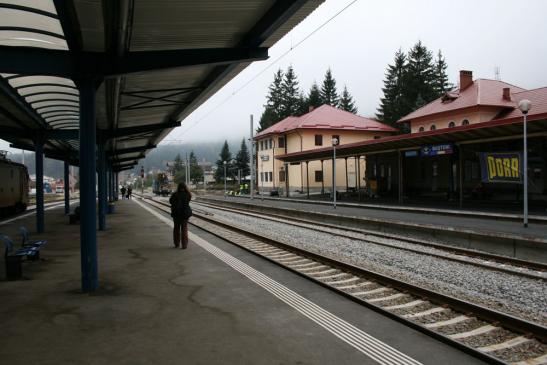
{"x": 512, "y": 323}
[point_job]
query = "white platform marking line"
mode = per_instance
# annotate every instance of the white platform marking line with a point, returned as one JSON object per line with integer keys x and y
{"x": 360, "y": 340}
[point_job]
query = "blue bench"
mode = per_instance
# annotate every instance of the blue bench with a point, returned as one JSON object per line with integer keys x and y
{"x": 14, "y": 257}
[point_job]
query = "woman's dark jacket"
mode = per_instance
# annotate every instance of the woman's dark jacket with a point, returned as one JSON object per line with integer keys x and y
{"x": 180, "y": 205}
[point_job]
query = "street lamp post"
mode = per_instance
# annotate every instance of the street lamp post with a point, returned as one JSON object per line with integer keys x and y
{"x": 335, "y": 143}
{"x": 224, "y": 163}
{"x": 525, "y": 106}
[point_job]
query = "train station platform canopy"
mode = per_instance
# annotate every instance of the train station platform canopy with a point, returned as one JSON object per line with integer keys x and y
{"x": 152, "y": 64}
{"x": 99, "y": 83}
{"x": 495, "y": 130}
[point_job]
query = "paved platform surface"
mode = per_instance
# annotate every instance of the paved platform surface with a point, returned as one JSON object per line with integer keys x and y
{"x": 160, "y": 305}
{"x": 473, "y": 223}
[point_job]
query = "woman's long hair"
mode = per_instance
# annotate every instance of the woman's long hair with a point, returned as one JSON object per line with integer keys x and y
{"x": 182, "y": 188}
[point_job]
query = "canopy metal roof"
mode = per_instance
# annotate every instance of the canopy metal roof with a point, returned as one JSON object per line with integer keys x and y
{"x": 495, "y": 130}
{"x": 158, "y": 61}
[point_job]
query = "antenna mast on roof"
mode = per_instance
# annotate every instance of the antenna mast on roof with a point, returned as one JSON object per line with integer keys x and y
{"x": 497, "y": 76}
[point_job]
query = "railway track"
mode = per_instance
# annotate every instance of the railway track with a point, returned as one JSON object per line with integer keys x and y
{"x": 533, "y": 270}
{"x": 487, "y": 334}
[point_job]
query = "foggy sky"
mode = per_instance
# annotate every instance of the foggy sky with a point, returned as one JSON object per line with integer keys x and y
{"x": 360, "y": 43}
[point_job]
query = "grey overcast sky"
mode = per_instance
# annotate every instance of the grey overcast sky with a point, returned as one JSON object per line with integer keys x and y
{"x": 360, "y": 43}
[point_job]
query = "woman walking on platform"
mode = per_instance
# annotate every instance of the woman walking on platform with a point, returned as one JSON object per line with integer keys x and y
{"x": 181, "y": 212}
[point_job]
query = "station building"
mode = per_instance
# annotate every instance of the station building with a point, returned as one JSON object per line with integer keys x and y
{"x": 464, "y": 146}
{"x": 311, "y": 131}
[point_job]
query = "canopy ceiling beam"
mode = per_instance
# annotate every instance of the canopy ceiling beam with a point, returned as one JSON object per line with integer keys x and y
{"x": 130, "y": 150}
{"x": 38, "y": 61}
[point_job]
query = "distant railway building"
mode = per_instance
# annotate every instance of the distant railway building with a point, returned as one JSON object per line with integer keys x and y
{"x": 311, "y": 131}
{"x": 464, "y": 146}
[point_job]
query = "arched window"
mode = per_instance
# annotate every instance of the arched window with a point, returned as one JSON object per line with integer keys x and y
{"x": 421, "y": 129}
{"x": 432, "y": 128}
{"x": 451, "y": 125}
{"x": 465, "y": 122}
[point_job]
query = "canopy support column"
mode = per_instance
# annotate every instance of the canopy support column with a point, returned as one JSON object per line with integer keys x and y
{"x": 39, "y": 159}
{"x": 359, "y": 178}
{"x": 66, "y": 189}
{"x": 117, "y": 186}
{"x": 101, "y": 172}
{"x": 88, "y": 220}
{"x": 347, "y": 183}
{"x": 400, "y": 175}
{"x": 322, "y": 179}
{"x": 460, "y": 174}
{"x": 287, "y": 179}
{"x": 307, "y": 179}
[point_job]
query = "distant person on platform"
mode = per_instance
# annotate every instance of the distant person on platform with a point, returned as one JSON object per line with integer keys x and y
{"x": 129, "y": 191}
{"x": 181, "y": 212}
{"x": 123, "y": 192}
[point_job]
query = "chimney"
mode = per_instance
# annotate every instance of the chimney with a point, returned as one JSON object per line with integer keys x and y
{"x": 310, "y": 108}
{"x": 466, "y": 79}
{"x": 507, "y": 94}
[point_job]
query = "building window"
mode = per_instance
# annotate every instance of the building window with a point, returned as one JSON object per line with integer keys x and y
{"x": 271, "y": 143}
{"x": 261, "y": 146}
{"x": 318, "y": 175}
{"x": 433, "y": 127}
{"x": 261, "y": 176}
{"x": 421, "y": 129}
{"x": 282, "y": 176}
{"x": 281, "y": 142}
{"x": 377, "y": 137}
{"x": 318, "y": 139}
{"x": 270, "y": 175}
{"x": 337, "y": 137}
{"x": 465, "y": 122}
{"x": 451, "y": 125}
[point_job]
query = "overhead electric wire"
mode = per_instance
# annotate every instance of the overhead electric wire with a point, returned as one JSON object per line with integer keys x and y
{"x": 175, "y": 139}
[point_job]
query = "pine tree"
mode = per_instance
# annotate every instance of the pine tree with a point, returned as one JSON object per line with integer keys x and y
{"x": 393, "y": 104}
{"x": 196, "y": 173}
{"x": 274, "y": 102}
{"x": 242, "y": 159}
{"x": 328, "y": 92}
{"x": 224, "y": 155}
{"x": 346, "y": 102}
{"x": 420, "y": 76}
{"x": 302, "y": 105}
{"x": 289, "y": 94}
{"x": 178, "y": 170}
{"x": 314, "y": 97}
{"x": 441, "y": 84}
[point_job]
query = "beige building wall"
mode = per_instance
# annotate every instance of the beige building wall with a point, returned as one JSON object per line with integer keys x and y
{"x": 298, "y": 178}
{"x": 475, "y": 116}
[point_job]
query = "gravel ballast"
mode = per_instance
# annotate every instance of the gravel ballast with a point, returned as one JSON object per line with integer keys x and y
{"x": 512, "y": 294}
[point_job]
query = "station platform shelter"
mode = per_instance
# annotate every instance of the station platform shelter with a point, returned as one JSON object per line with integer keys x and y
{"x": 446, "y": 167}
{"x": 161, "y": 305}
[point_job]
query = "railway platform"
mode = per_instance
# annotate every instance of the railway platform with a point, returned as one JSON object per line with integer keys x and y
{"x": 486, "y": 232}
{"x": 212, "y": 303}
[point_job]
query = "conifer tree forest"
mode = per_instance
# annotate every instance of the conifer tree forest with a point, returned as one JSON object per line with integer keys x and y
{"x": 285, "y": 98}
{"x": 411, "y": 81}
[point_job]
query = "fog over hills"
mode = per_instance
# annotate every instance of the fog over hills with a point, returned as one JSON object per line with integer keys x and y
{"x": 155, "y": 159}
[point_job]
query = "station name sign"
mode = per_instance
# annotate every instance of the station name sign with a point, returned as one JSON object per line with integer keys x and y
{"x": 438, "y": 149}
{"x": 501, "y": 167}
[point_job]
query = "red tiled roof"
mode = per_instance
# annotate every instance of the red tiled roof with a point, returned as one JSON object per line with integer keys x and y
{"x": 538, "y": 97}
{"x": 480, "y": 92}
{"x": 327, "y": 117}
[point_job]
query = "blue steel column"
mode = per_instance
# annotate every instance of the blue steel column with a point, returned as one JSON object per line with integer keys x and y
{"x": 67, "y": 189}
{"x": 88, "y": 220}
{"x": 101, "y": 172}
{"x": 39, "y": 156}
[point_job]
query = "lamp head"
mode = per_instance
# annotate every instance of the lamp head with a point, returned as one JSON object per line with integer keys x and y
{"x": 224, "y": 162}
{"x": 525, "y": 105}
{"x": 335, "y": 141}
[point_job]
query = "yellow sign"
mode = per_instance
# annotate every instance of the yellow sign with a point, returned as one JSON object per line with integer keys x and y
{"x": 501, "y": 167}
